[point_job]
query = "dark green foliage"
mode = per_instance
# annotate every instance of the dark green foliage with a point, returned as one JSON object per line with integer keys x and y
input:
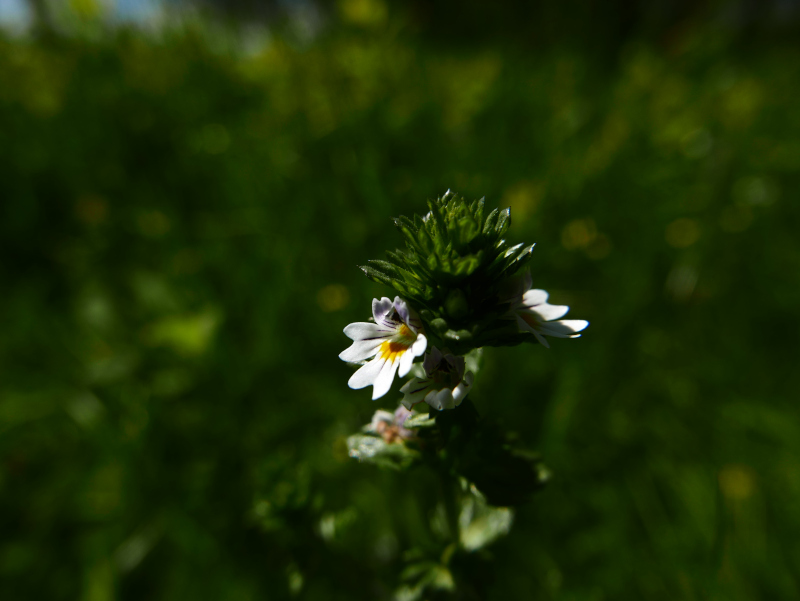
{"x": 179, "y": 230}
{"x": 480, "y": 452}
{"x": 462, "y": 447}
{"x": 452, "y": 271}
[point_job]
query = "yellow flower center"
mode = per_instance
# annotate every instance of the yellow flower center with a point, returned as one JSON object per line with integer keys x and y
{"x": 391, "y": 350}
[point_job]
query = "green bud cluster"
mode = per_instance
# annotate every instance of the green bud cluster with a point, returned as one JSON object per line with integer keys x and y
{"x": 452, "y": 271}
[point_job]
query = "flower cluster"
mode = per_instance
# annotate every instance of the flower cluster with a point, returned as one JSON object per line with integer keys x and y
{"x": 463, "y": 287}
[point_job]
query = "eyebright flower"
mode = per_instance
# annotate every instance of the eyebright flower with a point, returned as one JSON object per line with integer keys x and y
{"x": 390, "y": 425}
{"x": 392, "y": 342}
{"x": 535, "y": 315}
{"x": 444, "y": 385}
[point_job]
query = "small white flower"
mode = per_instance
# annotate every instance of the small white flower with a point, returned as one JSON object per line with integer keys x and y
{"x": 444, "y": 385}
{"x": 392, "y": 342}
{"x": 389, "y": 426}
{"x": 535, "y": 315}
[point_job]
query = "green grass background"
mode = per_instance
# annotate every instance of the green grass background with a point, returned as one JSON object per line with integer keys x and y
{"x": 179, "y": 234}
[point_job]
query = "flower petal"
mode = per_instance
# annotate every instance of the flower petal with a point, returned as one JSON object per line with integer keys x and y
{"x": 406, "y": 360}
{"x": 433, "y": 401}
{"x": 446, "y": 398}
{"x": 363, "y": 330}
{"x": 463, "y": 388}
{"x": 534, "y": 297}
{"x": 431, "y": 361}
{"x": 402, "y": 308}
{"x": 415, "y": 395}
{"x": 440, "y": 399}
{"x": 366, "y": 374}
{"x": 457, "y": 364}
{"x": 384, "y": 379}
{"x": 566, "y": 328}
{"x": 413, "y": 386}
{"x": 547, "y": 311}
{"x": 419, "y": 346}
{"x": 407, "y": 314}
{"x": 382, "y": 310}
{"x": 360, "y": 350}
{"x": 526, "y": 327}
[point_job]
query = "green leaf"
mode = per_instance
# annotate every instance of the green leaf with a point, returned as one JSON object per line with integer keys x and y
{"x": 468, "y": 228}
{"x": 376, "y": 275}
{"x": 478, "y": 212}
{"x": 424, "y": 241}
{"x": 491, "y": 222}
{"x": 374, "y": 449}
{"x": 481, "y": 524}
{"x": 404, "y": 223}
{"x": 437, "y": 221}
{"x": 422, "y": 420}
{"x": 466, "y": 265}
{"x": 385, "y": 267}
{"x": 503, "y": 221}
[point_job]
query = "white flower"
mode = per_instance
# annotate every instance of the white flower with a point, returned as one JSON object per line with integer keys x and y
{"x": 535, "y": 315}
{"x": 392, "y": 342}
{"x": 444, "y": 385}
{"x": 389, "y": 426}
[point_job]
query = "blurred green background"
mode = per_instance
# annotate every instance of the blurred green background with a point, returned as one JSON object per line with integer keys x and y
{"x": 185, "y": 202}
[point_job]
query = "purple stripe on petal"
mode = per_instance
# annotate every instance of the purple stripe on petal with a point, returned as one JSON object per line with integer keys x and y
{"x": 407, "y": 314}
{"x": 414, "y": 385}
{"x": 402, "y": 309}
{"x": 382, "y": 312}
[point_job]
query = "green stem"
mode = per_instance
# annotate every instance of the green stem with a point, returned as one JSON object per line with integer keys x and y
{"x": 450, "y": 494}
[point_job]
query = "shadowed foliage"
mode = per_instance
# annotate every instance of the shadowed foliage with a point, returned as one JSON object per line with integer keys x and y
{"x": 180, "y": 232}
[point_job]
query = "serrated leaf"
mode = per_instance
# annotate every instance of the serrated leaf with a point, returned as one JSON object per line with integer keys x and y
{"x": 412, "y": 241}
{"x": 478, "y": 213}
{"x": 503, "y": 221}
{"x": 437, "y": 220}
{"x": 387, "y": 267}
{"x": 399, "y": 259}
{"x": 513, "y": 249}
{"x": 518, "y": 261}
{"x": 375, "y": 275}
{"x": 468, "y": 228}
{"x": 404, "y": 222}
{"x": 466, "y": 265}
{"x": 424, "y": 240}
{"x": 491, "y": 222}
